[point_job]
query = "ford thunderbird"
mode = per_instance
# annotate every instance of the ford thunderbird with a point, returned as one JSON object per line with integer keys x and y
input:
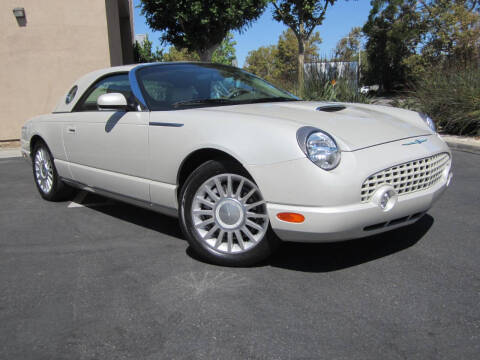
{"x": 241, "y": 163}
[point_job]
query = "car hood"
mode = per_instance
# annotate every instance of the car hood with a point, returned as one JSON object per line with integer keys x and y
{"x": 355, "y": 127}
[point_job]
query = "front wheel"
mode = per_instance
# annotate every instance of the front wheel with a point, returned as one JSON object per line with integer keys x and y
{"x": 224, "y": 216}
{"x": 48, "y": 183}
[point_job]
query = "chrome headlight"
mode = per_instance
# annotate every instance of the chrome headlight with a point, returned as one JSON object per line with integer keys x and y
{"x": 319, "y": 147}
{"x": 428, "y": 120}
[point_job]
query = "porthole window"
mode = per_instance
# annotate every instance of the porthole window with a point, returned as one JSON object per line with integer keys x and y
{"x": 71, "y": 94}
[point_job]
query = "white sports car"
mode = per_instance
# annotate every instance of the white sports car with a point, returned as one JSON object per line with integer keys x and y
{"x": 242, "y": 163}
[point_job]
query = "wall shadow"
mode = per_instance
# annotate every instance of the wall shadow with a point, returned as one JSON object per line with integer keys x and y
{"x": 325, "y": 257}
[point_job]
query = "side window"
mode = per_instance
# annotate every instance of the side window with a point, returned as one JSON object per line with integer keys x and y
{"x": 157, "y": 90}
{"x": 111, "y": 84}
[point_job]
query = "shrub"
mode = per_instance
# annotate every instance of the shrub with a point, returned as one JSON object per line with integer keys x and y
{"x": 332, "y": 85}
{"x": 450, "y": 95}
{"x": 341, "y": 90}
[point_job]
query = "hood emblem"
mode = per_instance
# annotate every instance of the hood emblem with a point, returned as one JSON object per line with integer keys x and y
{"x": 416, "y": 141}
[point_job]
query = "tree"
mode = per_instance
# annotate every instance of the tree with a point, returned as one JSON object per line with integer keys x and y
{"x": 200, "y": 26}
{"x": 288, "y": 47}
{"x": 224, "y": 54}
{"x": 174, "y": 54}
{"x": 453, "y": 29}
{"x": 393, "y": 31}
{"x": 347, "y": 48}
{"x": 263, "y": 62}
{"x": 407, "y": 36}
{"x": 143, "y": 52}
{"x": 278, "y": 63}
{"x": 301, "y": 16}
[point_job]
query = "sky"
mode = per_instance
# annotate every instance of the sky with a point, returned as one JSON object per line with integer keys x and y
{"x": 340, "y": 18}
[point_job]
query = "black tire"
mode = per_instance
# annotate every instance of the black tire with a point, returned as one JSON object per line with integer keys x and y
{"x": 259, "y": 252}
{"x": 58, "y": 190}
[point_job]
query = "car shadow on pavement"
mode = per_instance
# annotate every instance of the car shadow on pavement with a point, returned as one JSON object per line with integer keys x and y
{"x": 308, "y": 257}
{"x": 325, "y": 257}
{"x": 139, "y": 216}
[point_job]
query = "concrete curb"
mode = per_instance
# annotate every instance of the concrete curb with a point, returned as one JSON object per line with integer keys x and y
{"x": 462, "y": 143}
{"x": 10, "y": 153}
{"x": 463, "y": 147}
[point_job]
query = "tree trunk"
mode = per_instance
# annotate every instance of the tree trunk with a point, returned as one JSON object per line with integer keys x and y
{"x": 301, "y": 61}
{"x": 206, "y": 54}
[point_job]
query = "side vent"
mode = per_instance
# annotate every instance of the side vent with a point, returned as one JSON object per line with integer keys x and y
{"x": 331, "y": 107}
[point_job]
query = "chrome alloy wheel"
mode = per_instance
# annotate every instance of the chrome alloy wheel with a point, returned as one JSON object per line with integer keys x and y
{"x": 43, "y": 170}
{"x": 229, "y": 213}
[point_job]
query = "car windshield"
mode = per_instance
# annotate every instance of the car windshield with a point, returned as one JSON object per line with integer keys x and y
{"x": 186, "y": 86}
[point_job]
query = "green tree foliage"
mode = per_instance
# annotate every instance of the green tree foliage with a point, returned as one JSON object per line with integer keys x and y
{"x": 174, "y": 54}
{"x": 347, "y": 48}
{"x": 405, "y": 37}
{"x": 224, "y": 54}
{"x": 288, "y": 68}
{"x": 263, "y": 62}
{"x": 394, "y": 32}
{"x": 301, "y": 16}
{"x": 453, "y": 29}
{"x": 143, "y": 52}
{"x": 278, "y": 63}
{"x": 200, "y": 25}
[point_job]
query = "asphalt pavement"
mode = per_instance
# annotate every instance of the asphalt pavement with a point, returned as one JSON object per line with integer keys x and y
{"x": 97, "y": 279}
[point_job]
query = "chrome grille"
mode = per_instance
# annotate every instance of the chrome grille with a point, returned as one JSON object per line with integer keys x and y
{"x": 407, "y": 177}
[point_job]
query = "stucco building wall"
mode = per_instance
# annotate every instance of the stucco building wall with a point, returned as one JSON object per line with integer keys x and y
{"x": 59, "y": 41}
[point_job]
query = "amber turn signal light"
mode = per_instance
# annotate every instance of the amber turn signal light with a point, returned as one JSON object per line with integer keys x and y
{"x": 291, "y": 217}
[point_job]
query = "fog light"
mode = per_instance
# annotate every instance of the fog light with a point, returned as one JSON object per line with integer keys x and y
{"x": 385, "y": 197}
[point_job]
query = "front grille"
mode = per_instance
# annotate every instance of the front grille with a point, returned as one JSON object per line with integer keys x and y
{"x": 408, "y": 177}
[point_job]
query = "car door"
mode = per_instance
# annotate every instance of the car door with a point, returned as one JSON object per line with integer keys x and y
{"x": 108, "y": 150}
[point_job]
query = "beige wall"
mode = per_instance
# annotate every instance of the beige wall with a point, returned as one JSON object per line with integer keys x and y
{"x": 61, "y": 41}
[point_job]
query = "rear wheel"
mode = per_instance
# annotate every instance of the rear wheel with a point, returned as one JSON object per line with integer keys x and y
{"x": 224, "y": 215}
{"x": 48, "y": 183}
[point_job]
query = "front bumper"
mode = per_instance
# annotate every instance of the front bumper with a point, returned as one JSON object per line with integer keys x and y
{"x": 330, "y": 201}
{"x": 326, "y": 224}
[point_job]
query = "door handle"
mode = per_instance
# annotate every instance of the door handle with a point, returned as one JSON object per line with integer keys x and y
{"x": 71, "y": 130}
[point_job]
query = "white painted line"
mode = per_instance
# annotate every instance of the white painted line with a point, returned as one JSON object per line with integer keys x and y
{"x": 77, "y": 202}
{"x": 106, "y": 203}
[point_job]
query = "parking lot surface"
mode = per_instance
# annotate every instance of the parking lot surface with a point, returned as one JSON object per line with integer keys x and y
{"x": 97, "y": 279}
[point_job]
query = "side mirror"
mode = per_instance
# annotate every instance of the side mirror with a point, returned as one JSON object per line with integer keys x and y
{"x": 112, "y": 101}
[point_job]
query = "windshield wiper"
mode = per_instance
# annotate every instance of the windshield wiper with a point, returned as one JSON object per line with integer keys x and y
{"x": 194, "y": 102}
